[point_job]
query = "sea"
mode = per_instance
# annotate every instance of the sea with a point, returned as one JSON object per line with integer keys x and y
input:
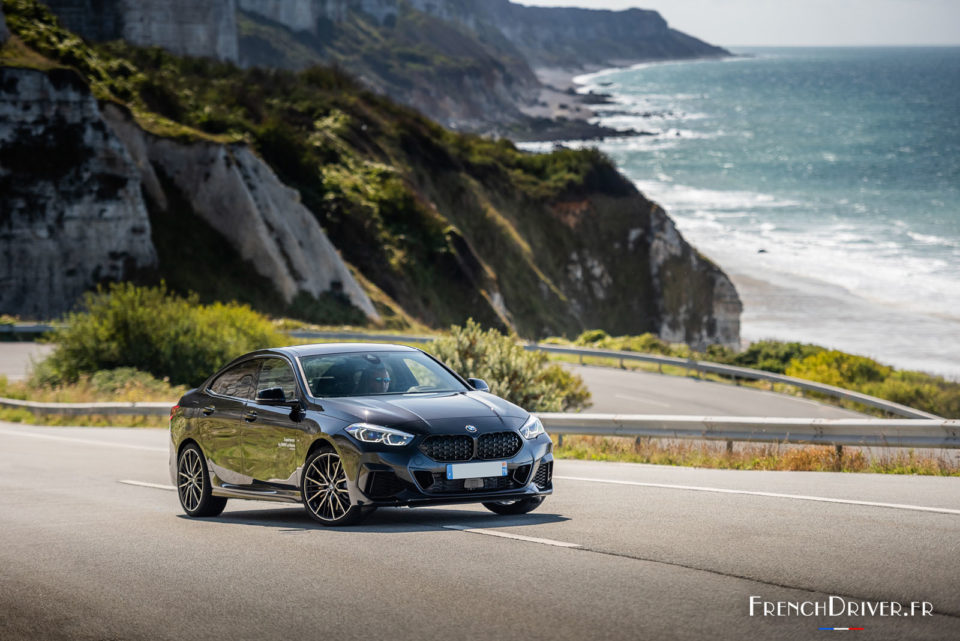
{"x": 824, "y": 181}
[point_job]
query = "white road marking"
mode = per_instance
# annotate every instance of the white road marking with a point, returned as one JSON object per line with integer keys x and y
{"x": 157, "y": 486}
{"x": 627, "y": 397}
{"x": 798, "y": 497}
{"x": 85, "y": 441}
{"x": 518, "y": 537}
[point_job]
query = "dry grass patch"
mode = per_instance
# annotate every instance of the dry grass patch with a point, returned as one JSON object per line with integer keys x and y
{"x": 748, "y": 456}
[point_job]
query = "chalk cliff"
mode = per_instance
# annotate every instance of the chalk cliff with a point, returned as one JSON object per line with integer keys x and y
{"x": 71, "y": 214}
{"x": 465, "y": 63}
{"x": 238, "y": 195}
{"x": 185, "y": 27}
{"x": 574, "y": 37}
{"x": 74, "y": 176}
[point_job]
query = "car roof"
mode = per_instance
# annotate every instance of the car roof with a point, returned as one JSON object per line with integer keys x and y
{"x": 319, "y": 349}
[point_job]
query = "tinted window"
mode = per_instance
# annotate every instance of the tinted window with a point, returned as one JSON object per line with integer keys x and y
{"x": 276, "y": 372}
{"x": 376, "y": 373}
{"x": 237, "y": 381}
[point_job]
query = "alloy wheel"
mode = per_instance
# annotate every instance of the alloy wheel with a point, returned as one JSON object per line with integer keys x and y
{"x": 190, "y": 480}
{"x": 325, "y": 488}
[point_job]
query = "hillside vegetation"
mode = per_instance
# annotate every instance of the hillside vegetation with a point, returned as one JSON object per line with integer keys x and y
{"x": 442, "y": 226}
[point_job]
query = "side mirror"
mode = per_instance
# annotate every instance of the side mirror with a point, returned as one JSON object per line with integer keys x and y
{"x": 271, "y": 396}
{"x": 479, "y": 384}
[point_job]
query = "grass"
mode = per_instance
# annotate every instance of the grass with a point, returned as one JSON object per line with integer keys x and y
{"x": 119, "y": 385}
{"x": 86, "y": 420}
{"x": 747, "y": 456}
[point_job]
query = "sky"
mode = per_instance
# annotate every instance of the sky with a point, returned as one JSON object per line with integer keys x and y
{"x": 800, "y": 22}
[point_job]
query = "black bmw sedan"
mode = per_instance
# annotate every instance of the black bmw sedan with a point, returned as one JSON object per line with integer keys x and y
{"x": 345, "y": 428}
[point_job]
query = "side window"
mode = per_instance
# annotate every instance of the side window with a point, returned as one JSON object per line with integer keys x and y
{"x": 237, "y": 381}
{"x": 276, "y": 372}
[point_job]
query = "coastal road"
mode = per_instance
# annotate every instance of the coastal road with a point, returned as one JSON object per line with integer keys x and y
{"x": 620, "y": 551}
{"x": 618, "y": 391}
{"x": 613, "y": 390}
{"x": 15, "y": 357}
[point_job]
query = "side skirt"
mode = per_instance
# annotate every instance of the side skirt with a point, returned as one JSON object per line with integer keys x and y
{"x": 265, "y": 494}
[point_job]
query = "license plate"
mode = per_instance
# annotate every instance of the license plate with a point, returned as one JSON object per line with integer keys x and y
{"x": 476, "y": 470}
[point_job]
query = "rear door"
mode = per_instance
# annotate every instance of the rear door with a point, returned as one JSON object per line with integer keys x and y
{"x": 220, "y": 420}
{"x": 272, "y": 440}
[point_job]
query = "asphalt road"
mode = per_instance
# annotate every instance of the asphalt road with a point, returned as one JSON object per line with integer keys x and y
{"x": 15, "y": 358}
{"x": 620, "y": 391}
{"x": 659, "y": 553}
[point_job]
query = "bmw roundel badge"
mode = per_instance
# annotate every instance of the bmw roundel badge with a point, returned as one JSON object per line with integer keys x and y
{"x": 470, "y": 428}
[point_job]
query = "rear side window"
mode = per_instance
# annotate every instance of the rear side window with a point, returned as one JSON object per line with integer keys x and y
{"x": 276, "y": 372}
{"x": 238, "y": 381}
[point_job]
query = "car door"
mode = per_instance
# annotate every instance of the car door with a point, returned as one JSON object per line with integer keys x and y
{"x": 272, "y": 439}
{"x": 220, "y": 420}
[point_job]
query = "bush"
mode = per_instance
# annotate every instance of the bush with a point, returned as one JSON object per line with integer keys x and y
{"x": 591, "y": 337}
{"x": 645, "y": 343}
{"x": 513, "y": 373}
{"x": 156, "y": 331}
{"x": 840, "y": 369}
{"x": 774, "y": 356}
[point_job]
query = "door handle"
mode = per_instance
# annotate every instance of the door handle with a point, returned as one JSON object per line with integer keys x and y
{"x": 208, "y": 410}
{"x": 250, "y": 416}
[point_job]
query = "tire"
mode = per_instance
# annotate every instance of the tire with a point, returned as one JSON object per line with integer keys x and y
{"x": 519, "y": 506}
{"x": 323, "y": 489}
{"x": 193, "y": 485}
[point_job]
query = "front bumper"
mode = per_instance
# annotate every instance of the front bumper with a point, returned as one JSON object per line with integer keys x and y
{"x": 409, "y": 477}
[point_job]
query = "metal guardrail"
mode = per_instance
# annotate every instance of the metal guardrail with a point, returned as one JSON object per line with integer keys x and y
{"x": 734, "y": 372}
{"x": 877, "y": 432}
{"x": 16, "y": 328}
{"x": 85, "y": 409}
{"x": 746, "y": 374}
{"x": 916, "y": 433}
{"x": 688, "y": 364}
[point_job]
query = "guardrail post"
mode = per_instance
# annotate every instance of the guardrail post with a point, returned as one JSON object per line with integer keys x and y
{"x": 581, "y": 358}
{"x": 621, "y": 363}
{"x": 559, "y": 440}
{"x": 839, "y": 450}
{"x": 729, "y": 447}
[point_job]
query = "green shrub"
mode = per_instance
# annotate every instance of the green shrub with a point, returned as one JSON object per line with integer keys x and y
{"x": 840, "y": 369}
{"x": 521, "y": 377}
{"x": 774, "y": 356}
{"x": 151, "y": 329}
{"x": 591, "y": 337}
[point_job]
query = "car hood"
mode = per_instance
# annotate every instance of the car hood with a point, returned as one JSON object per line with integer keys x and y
{"x": 429, "y": 413}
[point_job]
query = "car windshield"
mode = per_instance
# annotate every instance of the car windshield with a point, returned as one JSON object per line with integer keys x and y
{"x": 376, "y": 373}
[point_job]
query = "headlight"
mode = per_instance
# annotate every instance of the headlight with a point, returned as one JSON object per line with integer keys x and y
{"x": 367, "y": 433}
{"x": 532, "y": 428}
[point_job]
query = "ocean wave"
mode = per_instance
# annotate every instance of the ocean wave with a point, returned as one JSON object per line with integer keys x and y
{"x": 736, "y": 229}
{"x": 926, "y": 239}
{"x": 685, "y": 198}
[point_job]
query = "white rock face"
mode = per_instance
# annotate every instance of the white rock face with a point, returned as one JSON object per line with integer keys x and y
{"x": 296, "y": 15}
{"x": 708, "y": 309}
{"x": 240, "y": 196}
{"x": 71, "y": 212}
{"x": 185, "y": 27}
{"x": 303, "y": 15}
